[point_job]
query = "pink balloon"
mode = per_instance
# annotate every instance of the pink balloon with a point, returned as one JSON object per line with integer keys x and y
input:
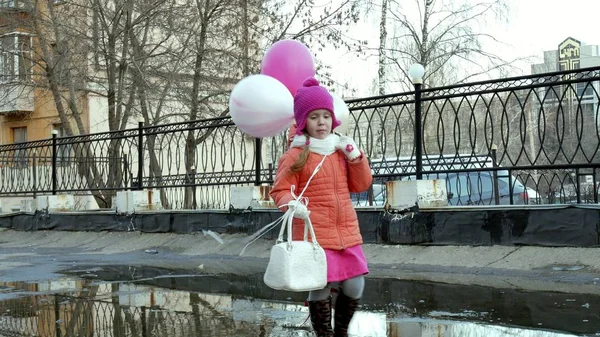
{"x": 289, "y": 61}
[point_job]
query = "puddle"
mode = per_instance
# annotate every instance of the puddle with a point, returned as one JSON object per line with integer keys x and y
{"x": 128, "y": 301}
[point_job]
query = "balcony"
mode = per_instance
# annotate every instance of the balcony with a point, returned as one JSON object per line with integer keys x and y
{"x": 16, "y": 98}
{"x": 15, "y": 5}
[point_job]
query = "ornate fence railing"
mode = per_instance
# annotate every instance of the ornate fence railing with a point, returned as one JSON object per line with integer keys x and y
{"x": 530, "y": 139}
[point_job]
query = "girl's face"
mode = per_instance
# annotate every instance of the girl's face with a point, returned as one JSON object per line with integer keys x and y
{"x": 318, "y": 123}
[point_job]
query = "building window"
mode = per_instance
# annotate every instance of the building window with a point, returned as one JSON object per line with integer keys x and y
{"x": 19, "y": 138}
{"x": 20, "y": 135}
{"x": 585, "y": 90}
{"x": 15, "y": 57}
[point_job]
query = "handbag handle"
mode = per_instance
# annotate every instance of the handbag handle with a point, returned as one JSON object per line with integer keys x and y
{"x": 287, "y": 217}
{"x": 308, "y": 223}
{"x": 288, "y": 221}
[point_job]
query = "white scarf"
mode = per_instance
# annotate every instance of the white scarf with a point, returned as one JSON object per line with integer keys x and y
{"x": 321, "y": 146}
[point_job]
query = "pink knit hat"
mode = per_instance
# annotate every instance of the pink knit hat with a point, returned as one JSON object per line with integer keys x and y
{"x": 310, "y": 97}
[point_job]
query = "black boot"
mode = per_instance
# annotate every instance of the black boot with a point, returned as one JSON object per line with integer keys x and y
{"x": 320, "y": 317}
{"x": 344, "y": 310}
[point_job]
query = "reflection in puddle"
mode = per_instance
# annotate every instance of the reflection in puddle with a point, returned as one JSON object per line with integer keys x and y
{"x": 431, "y": 328}
{"x": 159, "y": 304}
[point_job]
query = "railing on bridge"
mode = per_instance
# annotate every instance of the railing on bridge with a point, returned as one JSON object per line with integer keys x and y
{"x": 530, "y": 139}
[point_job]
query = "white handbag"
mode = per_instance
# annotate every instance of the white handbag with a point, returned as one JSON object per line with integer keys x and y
{"x": 296, "y": 265}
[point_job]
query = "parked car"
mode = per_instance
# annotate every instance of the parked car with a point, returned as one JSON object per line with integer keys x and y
{"x": 465, "y": 188}
{"x": 478, "y": 188}
{"x": 377, "y": 197}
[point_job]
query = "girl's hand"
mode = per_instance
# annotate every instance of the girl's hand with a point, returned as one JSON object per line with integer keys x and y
{"x": 300, "y": 210}
{"x": 349, "y": 148}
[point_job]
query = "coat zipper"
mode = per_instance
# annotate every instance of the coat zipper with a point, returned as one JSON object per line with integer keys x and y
{"x": 337, "y": 199}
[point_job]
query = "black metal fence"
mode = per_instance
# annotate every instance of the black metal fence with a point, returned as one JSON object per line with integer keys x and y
{"x": 531, "y": 139}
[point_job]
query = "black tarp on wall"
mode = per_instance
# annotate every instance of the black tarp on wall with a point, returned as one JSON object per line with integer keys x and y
{"x": 569, "y": 225}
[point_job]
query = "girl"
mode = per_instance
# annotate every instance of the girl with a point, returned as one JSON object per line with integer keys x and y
{"x": 345, "y": 169}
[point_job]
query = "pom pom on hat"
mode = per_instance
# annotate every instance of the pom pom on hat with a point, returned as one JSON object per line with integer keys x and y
{"x": 310, "y": 97}
{"x": 310, "y": 82}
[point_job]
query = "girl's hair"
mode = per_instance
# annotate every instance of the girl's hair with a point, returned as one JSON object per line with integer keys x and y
{"x": 302, "y": 158}
{"x": 301, "y": 161}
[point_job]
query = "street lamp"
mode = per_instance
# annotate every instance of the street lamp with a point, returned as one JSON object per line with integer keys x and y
{"x": 416, "y": 73}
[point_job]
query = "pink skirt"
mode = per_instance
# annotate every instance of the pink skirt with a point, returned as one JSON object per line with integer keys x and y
{"x": 346, "y": 263}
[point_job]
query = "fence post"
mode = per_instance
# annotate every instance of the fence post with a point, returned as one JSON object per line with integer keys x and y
{"x": 416, "y": 73}
{"x": 34, "y": 173}
{"x": 511, "y": 188}
{"x": 595, "y": 186}
{"x": 495, "y": 173}
{"x": 54, "y": 155}
{"x": 418, "y": 133}
{"x": 270, "y": 171}
{"x": 258, "y": 153}
{"x": 125, "y": 171}
{"x": 194, "y": 201}
{"x": 578, "y": 186}
{"x": 140, "y": 149}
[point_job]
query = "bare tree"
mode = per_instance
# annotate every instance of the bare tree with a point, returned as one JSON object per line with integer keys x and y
{"x": 318, "y": 24}
{"x": 60, "y": 59}
{"x": 446, "y": 37}
{"x": 161, "y": 61}
{"x": 83, "y": 48}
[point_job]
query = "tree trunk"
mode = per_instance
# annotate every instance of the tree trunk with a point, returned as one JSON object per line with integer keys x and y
{"x": 190, "y": 144}
{"x": 424, "y": 48}
{"x": 382, "y": 46}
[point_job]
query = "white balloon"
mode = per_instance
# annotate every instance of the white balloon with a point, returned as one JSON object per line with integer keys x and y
{"x": 342, "y": 113}
{"x": 261, "y": 106}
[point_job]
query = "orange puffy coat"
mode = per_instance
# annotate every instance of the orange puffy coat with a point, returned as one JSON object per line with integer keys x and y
{"x": 331, "y": 210}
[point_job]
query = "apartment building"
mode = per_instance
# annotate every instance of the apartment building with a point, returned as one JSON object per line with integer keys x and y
{"x": 27, "y": 107}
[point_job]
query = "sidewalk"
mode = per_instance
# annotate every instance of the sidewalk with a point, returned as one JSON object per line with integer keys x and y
{"x": 40, "y": 254}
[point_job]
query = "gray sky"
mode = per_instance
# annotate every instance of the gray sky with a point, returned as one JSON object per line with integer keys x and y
{"x": 532, "y": 27}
